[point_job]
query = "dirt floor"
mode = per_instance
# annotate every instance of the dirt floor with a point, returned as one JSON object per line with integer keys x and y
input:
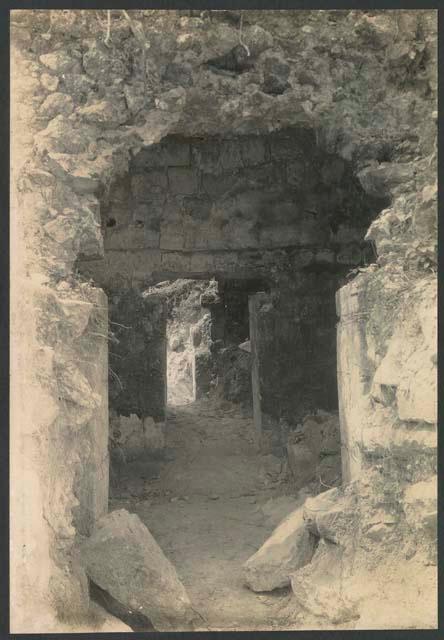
{"x": 210, "y": 503}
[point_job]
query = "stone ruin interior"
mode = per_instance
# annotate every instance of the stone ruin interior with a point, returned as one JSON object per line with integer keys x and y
{"x": 225, "y": 274}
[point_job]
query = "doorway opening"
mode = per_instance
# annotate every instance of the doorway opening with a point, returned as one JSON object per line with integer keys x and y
{"x": 222, "y": 260}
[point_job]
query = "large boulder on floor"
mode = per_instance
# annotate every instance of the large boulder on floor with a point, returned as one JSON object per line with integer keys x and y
{"x": 123, "y": 559}
{"x": 332, "y": 515}
{"x": 290, "y": 547}
{"x": 319, "y": 587}
{"x": 275, "y": 510}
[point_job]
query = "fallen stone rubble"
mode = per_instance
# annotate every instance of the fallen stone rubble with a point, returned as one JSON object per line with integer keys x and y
{"x": 329, "y": 516}
{"x": 123, "y": 559}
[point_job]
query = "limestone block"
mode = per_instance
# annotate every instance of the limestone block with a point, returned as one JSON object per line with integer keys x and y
{"x": 425, "y": 216}
{"x": 55, "y": 104}
{"x": 144, "y": 186}
{"x": 331, "y": 515}
{"x": 379, "y": 179}
{"x": 172, "y": 101}
{"x": 82, "y": 175}
{"x": 197, "y": 208}
{"x": 77, "y": 314}
{"x": 123, "y": 558}
{"x": 206, "y": 156}
{"x": 48, "y": 82}
{"x": 78, "y": 85}
{"x": 428, "y": 314}
{"x": 420, "y": 505}
{"x": 216, "y": 185}
{"x": 314, "y": 450}
{"x": 201, "y": 262}
{"x": 253, "y": 151}
{"x": 289, "y": 547}
{"x": 175, "y": 262}
{"x": 417, "y": 391}
{"x": 62, "y": 229}
{"x": 102, "y": 64}
{"x": 276, "y": 510}
{"x": 319, "y": 586}
{"x": 176, "y": 153}
{"x": 171, "y": 237}
{"x": 104, "y": 112}
{"x": 178, "y": 74}
{"x": 355, "y": 369}
{"x": 182, "y": 180}
{"x": 257, "y": 39}
{"x": 276, "y": 72}
{"x": 74, "y": 387}
{"x": 61, "y": 62}
{"x": 132, "y": 237}
{"x": 150, "y": 211}
{"x": 61, "y": 137}
{"x": 135, "y": 97}
{"x": 230, "y": 155}
{"x": 148, "y": 158}
{"x": 409, "y": 367}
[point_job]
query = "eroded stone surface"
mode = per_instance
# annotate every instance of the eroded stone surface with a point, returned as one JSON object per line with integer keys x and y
{"x": 290, "y": 547}
{"x": 123, "y": 558}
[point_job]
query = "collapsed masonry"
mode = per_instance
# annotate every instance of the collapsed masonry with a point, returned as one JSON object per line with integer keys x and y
{"x": 165, "y": 154}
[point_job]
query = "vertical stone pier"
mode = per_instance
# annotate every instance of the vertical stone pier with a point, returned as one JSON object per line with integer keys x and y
{"x": 355, "y": 372}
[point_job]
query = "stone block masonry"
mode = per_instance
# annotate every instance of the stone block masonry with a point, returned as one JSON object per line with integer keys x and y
{"x": 138, "y": 355}
{"x": 292, "y": 335}
{"x": 245, "y": 192}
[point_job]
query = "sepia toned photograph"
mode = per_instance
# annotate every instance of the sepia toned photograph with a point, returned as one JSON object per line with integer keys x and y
{"x": 223, "y": 320}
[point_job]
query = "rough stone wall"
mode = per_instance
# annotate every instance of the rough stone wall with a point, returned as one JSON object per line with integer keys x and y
{"x": 293, "y": 345}
{"x": 364, "y": 81}
{"x": 188, "y": 198}
{"x": 237, "y": 193}
{"x": 137, "y": 373}
{"x": 138, "y": 354}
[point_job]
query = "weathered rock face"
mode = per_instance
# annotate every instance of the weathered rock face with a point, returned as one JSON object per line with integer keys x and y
{"x": 138, "y": 355}
{"x": 365, "y": 82}
{"x": 293, "y": 356}
{"x": 290, "y": 547}
{"x": 123, "y": 559}
{"x": 332, "y": 515}
{"x": 252, "y": 192}
{"x": 317, "y": 587}
{"x": 314, "y": 452}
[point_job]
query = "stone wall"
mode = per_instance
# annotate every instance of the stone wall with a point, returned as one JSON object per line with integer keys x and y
{"x": 185, "y": 202}
{"x": 137, "y": 371}
{"x": 293, "y": 349}
{"x": 237, "y": 193}
{"x": 138, "y": 354}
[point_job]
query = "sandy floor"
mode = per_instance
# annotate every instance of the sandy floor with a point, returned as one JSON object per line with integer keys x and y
{"x": 203, "y": 504}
